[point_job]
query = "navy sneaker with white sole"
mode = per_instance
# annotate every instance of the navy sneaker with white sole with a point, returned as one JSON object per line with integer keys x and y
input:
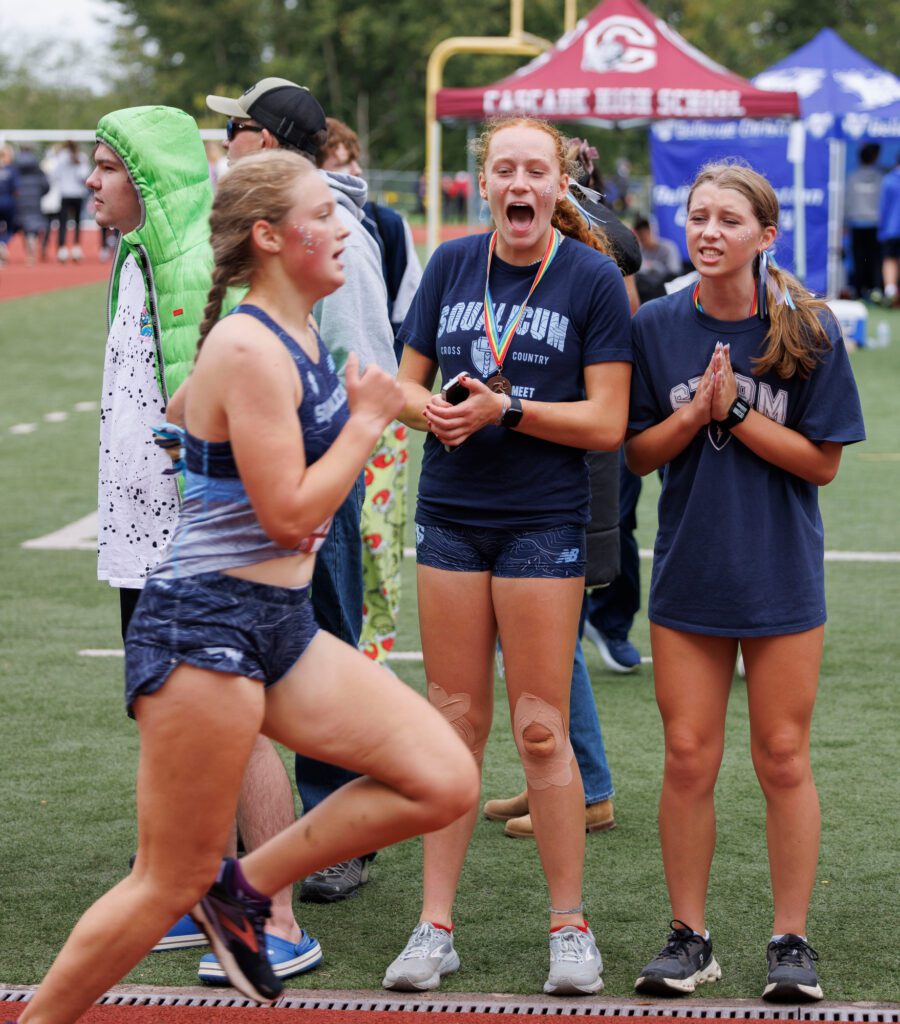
{"x": 685, "y": 962}
{"x": 792, "y": 975}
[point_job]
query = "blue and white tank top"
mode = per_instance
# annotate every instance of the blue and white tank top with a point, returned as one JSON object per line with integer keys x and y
{"x": 217, "y": 527}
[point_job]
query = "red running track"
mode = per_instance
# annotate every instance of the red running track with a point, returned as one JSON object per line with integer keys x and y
{"x": 17, "y": 279}
{"x": 262, "y": 1015}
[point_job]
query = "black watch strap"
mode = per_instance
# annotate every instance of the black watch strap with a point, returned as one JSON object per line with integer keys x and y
{"x": 513, "y": 414}
{"x": 736, "y": 414}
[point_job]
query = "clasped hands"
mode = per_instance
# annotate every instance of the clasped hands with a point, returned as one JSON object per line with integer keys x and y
{"x": 717, "y": 388}
{"x": 452, "y": 424}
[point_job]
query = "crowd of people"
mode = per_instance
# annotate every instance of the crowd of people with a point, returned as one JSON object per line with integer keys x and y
{"x": 253, "y": 439}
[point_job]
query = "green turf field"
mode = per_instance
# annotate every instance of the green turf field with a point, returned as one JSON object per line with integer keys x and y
{"x": 68, "y": 752}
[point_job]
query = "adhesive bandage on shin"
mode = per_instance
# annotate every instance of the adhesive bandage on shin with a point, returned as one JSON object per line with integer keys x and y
{"x": 553, "y": 767}
{"x": 454, "y": 707}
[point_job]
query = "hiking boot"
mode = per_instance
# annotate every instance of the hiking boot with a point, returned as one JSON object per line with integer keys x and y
{"x": 503, "y": 810}
{"x": 287, "y": 959}
{"x": 235, "y": 927}
{"x": 575, "y": 962}
{"x": 597, "y": 818}
{"x": 618, "y": 653}
{"x": 428, "y": 956}
{"x": 685, "y": 962}
{"x": 792, "y": 976}
{"x": 339, "y": 882}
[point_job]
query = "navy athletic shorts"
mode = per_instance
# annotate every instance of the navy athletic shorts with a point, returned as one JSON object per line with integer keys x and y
{"x": 219, "y": 622}
{"x": 548, "y": 553}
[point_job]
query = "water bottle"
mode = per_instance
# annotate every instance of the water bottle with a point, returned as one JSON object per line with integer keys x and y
{"x": 883, "y": 334}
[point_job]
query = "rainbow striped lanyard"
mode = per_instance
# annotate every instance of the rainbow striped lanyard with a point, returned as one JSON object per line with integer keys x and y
{"x": 499, "y": 349}
{"x": 700, "y": 309}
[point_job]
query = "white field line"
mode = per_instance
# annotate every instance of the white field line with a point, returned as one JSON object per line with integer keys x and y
{"x": 57, "y": 416}
{"x": 830, "y": 556}
{"x": 82, "y": 536}
{"x": 78, "y": 536}
{"x": 117, "y": 652}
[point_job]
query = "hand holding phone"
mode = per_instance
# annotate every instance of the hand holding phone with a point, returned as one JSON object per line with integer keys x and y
{"x": 453, "y": 391}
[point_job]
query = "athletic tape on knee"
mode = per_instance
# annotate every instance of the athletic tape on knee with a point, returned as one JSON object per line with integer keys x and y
{"x": 454, "y": 707}
{"x": 555, "y": 767}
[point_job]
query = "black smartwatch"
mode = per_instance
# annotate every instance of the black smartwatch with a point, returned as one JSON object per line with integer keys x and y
{"x": 513, "y": 414}
{"x": 736, "y": 414}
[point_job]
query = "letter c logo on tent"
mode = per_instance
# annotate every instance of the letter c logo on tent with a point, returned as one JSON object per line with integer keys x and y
{"x": 619, "y": 43}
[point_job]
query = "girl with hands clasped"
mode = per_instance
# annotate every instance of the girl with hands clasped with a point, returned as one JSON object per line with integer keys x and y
{"x": 530, "y": 332}
{"x": 742, "y": 391}
{"x": 223, "y": 644}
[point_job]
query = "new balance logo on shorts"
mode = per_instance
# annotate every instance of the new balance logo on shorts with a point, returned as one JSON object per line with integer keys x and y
{"x": 568, "y": 555}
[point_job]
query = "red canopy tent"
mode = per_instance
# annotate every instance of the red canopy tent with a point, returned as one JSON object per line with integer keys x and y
{"x": 619, "y": 63}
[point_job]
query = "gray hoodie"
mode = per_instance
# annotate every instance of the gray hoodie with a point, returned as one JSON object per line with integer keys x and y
{"x": 355, "y": 317}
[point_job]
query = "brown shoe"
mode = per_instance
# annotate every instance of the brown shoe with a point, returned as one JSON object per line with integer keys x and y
{"x": 597, "y": 818}
{"x": 503, "y": 810}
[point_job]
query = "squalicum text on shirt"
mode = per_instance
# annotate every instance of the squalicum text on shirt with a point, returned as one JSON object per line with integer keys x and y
{"x": 773, "y": 404}
{"x": 542, "y": 324}
{"x": 326, "y": 410}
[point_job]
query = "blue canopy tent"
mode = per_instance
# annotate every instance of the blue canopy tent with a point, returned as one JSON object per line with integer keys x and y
{"x": 845, "y": 98}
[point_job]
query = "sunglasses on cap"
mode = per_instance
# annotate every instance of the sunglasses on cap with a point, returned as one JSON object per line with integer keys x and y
{"x": 232, "y": 127}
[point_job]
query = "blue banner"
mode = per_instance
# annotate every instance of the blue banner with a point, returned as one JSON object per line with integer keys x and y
{"x": 679, "y": 150}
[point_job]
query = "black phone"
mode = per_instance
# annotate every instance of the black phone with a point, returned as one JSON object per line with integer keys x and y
{"x": 454, "y": 392}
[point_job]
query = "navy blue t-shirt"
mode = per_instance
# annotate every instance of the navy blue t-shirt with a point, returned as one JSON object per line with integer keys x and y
{"x": 578, "y": 315}
{"x": 740, "y": 547}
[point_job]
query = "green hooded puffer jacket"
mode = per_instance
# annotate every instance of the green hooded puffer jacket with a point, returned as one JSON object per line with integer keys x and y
{"x": 163, "y": 152}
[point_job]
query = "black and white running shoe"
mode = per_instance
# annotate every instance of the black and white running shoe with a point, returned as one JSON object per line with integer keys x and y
{"x": 685, "y": 962}
{"x": 792, "y": 974}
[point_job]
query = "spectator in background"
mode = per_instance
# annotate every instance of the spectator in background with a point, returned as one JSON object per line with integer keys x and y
{"x": 69, "y": 171}
{"x": 383, "y": 516}
{"x": 33, "y": 186}
{"x": 8, "y": 184}
{"x": 51, "y": 202}
{"x": 889, "y": 233}
{"x": 861, "y": 214}
{"x": 661, "y": 261}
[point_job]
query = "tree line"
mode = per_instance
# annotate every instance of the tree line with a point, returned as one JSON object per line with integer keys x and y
{"x": 366, "y": 62}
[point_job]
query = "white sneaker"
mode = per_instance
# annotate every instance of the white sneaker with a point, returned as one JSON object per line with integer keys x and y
{"x": 575, "y": 963}
{"x": 63, "y": 254}
{"x": 76, "y": 253}
{"x": 428, "y": 956}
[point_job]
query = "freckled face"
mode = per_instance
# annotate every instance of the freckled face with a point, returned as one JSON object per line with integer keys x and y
{"x": 313, "y": 238}
{"x": 723, "y": 234}
{"x": 522, "y": 181}
{"x": 116, "y": 200}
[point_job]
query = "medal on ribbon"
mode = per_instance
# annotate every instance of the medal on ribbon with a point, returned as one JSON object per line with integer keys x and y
{"x": 499, "y": 343}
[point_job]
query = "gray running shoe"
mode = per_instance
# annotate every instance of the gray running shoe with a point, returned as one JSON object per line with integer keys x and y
{"x": 428, "y": 956}
{"x": 575, "y": 963}
{"x": 685, "y": 962}
{"x": 792, "y": 974}
{"x": 339, "y": 882}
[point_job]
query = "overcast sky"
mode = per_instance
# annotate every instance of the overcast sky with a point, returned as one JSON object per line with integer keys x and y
{"x": 35, "y": 19}
{"x": 24, "y": 23}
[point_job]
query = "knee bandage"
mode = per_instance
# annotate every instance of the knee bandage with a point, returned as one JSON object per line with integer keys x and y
{"x": 454, "y": 707}
{"x": 543, "y": 723}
